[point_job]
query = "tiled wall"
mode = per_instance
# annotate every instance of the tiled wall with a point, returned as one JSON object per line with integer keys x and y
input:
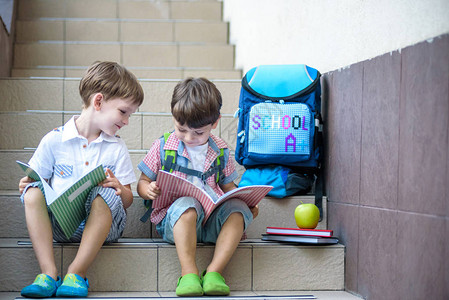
{"x": 387, "y": 122}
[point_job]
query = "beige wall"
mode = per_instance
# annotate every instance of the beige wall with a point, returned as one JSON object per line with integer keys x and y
{"x": 329, "y": 34}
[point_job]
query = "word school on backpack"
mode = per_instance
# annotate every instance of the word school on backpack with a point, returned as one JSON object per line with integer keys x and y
{"x": 288, "y": 130}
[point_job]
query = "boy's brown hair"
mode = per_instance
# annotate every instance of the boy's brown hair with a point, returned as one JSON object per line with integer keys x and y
{"x": 112, "y": 80}
{"x": 196, "y": 102}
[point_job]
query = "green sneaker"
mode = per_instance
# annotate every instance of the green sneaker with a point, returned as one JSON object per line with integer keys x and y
{"x": 214, "y": 284}
{"x": 189, "y": 285}
{"x": 73, "y": 286}
{"x": 43, "y": 287}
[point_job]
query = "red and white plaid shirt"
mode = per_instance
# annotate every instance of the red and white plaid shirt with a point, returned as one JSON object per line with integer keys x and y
{"x": 153, "y": 163}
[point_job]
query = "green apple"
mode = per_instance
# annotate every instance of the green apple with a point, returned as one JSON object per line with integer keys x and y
{"x": 307, "y": 215}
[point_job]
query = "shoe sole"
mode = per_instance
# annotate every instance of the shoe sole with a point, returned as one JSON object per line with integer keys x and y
{"x": 190, "y": 294}
{"x": 31, "y": 295}
{"x": 215, "y": 293}
{"x": 70, "y": 293}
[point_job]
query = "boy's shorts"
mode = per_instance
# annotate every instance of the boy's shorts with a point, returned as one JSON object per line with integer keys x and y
{"x": 210, "y": 231}
{"x": 112, "y": 200}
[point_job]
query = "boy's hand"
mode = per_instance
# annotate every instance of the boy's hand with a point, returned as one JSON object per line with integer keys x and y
{"x": 24, "y": 181}
{"x": 112, "y": 182}
{"x": 153, "y": 191}
{"x": 255, "y": 211}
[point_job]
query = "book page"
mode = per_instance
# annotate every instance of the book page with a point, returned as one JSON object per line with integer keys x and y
{"x": 251, "y": 194}
{"x": 173, "y": 187}
{"x": 50, "y": 194}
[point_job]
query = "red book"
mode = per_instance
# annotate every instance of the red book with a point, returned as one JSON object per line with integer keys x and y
{"x": 298, "y": 231}
{"x": 172, "y": 187}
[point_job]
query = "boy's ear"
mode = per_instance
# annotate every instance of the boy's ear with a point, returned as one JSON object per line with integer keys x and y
{"x": 216, "y": 122}
{"x": 97, "y": 100}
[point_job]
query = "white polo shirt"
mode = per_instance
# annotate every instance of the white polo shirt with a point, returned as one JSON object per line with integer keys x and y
{"x": 64, "y": 156}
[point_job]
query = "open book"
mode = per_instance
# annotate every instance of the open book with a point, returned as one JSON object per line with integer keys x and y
{"x": 173, "y": 187}
{"x": 68, "y": 207}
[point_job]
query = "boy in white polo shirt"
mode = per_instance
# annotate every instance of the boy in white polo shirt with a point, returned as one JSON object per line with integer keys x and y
{"x": 110, "y": 94}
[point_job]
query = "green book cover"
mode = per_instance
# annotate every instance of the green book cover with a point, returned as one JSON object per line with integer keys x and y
{"x": 68, "y": 207}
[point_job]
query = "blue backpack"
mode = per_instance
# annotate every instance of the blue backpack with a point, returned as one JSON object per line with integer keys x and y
{"x": 285, "y": 181}
{"x": 280, "y": 120}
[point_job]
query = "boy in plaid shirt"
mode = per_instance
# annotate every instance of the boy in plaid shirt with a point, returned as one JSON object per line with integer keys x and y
{"x": 195, "y": 107}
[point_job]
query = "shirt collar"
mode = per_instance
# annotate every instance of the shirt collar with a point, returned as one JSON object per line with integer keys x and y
{"x": 71, "y": 132}
{"x": 173, "y": 143}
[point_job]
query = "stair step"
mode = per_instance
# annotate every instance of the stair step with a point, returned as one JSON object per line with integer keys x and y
{"x": 44, "y": 104}
{"x": 129, "y": 9}
{"x": 188, "y": 55}
{"x": 62, "y": 94}
{"x": 158, "y": 39}
{"x": 121, "y": 30}
{"x": 140, "y": 72}
{"x": 142, "y": 130}
{"x": 293, "y": 267}
{"x": 272, "y": 212}
{"x": 235, "y": 295}
{"x": 10, "y": 173}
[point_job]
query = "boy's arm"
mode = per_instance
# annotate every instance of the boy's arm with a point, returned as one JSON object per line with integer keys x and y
{"x": 228, "y": 187}
{"x": 147, "y": 188}
{"x": 124, "y": 191}
{"x": 24, "y": 181}
{"x": 127, "y": 196}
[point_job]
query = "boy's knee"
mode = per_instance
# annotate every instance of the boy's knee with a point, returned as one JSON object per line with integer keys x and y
{"x": 236, "y": 215}
{"x": 235, "y": 210}
{"x": 236, "y": 218}
{"x": 105, "y": 197}
{"x": 235, "y": 205}
{"x": 100, "y": 204}
{"x": 189, "y": 215}
{"x": 33, "y": 196}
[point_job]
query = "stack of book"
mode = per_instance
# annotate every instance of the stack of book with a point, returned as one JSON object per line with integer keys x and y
{"x": 302, "y": 236}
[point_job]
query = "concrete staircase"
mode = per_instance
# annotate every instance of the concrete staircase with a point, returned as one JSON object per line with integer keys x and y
{"x": 161, "y": 42}
{"x": 155, "y": 39}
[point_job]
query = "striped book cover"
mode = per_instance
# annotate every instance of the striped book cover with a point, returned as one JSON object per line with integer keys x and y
{"x": 68, "y": 207}
{"x": 173, "y": 187}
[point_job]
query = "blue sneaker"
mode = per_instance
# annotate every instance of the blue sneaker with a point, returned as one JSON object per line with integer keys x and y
{"x": 44, "y": 286}
{"x": 73, "y": 286}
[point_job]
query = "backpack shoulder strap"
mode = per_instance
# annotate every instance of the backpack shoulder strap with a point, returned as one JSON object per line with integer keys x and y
{"x": 220, "y": 164}
{"x": 169, "y": 163}
{"x": 169, "y": 160}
